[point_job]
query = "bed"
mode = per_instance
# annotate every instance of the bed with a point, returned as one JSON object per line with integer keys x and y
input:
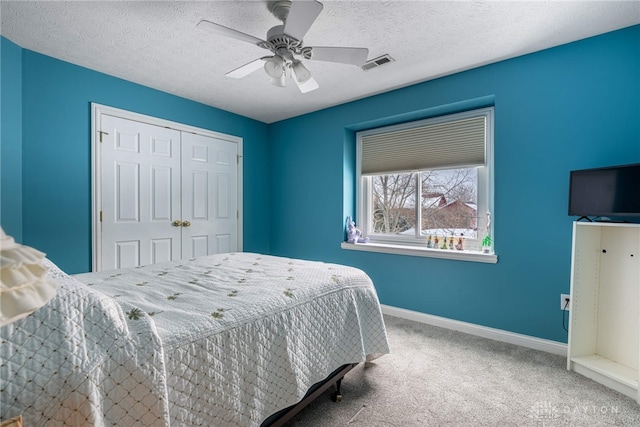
{"x": 221, "y": 340}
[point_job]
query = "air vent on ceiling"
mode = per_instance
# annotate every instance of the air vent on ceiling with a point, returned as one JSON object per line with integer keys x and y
{"x": 376, "y": 62}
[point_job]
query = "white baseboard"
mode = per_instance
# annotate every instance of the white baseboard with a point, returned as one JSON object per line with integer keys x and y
{"x": 542, "y": 344}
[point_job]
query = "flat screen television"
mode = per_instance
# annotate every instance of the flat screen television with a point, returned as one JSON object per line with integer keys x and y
{"x": 605, "y": 192}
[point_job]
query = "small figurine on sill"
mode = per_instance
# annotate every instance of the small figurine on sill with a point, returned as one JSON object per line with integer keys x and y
{"x": 459, "y": 244}
{"x": 444, "y": 243}
{"x": 451, "y": 242}
{"x": 487, "y": 242}
{"x": 429, "y": 242}
{"x": 354, "y": 235}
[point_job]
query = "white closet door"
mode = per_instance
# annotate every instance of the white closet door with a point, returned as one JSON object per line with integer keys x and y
{"x": 140, "y": 193}
{"x": 209, "y": 195}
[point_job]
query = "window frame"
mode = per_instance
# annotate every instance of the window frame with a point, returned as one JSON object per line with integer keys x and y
{"x": 416, "y": 245}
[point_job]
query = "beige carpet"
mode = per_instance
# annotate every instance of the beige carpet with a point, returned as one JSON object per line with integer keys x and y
{"x": 439, "y": 377}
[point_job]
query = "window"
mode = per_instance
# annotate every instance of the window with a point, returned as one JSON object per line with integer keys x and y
{"x": 428, "y": 184}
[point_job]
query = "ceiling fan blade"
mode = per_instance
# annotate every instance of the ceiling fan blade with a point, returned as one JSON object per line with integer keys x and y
{"x": 247, "y": 69}
{"x": 344, "y": 55}
{"x": 214, "y": 28}
{"x": 301, "y": 16}
{"x": 307, "y": 86}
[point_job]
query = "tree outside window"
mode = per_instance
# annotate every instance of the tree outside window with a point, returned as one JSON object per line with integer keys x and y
{"x": 448, "y": 203}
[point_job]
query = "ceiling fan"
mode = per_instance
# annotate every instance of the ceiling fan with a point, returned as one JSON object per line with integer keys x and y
{"x": 285, "y": 42}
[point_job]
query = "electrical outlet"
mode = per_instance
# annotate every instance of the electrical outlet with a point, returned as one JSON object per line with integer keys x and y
{"x": 563, "y": 302}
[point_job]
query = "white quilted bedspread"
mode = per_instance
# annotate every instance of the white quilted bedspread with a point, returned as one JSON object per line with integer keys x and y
{"x": 222, "y": 340}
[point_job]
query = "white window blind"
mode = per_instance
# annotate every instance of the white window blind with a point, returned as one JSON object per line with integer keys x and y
{"x": 452, "y": 143}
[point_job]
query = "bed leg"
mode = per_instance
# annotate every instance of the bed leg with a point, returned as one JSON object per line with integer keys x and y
{"x": 337, "y": 395}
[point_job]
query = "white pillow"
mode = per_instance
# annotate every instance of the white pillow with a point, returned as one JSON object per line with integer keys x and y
{"x": 23, "y": 285}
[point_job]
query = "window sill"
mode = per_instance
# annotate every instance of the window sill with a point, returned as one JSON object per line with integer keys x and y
{"x": 420, "y": 251}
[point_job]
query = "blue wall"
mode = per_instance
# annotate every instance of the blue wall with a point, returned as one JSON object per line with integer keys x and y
{"x": 56, "y": 154}
{"x": 11, "y": 138}
{"x": 571, "y": 107}
{"x": 575, "y": 106}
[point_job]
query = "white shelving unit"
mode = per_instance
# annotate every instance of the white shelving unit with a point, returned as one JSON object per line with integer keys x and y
{"x": 604, "y": 327}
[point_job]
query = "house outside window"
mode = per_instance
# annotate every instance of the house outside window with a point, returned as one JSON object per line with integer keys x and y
{"x": 428, "y": 183}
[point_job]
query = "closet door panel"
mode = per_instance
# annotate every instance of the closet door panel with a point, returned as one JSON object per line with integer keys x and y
{"x": 140, "y": 193}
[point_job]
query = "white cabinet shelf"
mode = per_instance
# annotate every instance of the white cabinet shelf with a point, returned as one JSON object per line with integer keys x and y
{"x": 604, "y": 327}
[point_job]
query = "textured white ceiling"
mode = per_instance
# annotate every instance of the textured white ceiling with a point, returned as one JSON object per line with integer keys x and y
{"x": 157, "y": 44}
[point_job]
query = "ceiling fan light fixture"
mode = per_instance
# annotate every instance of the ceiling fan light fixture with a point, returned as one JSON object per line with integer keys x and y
{"x": 279, "y": 81}
{"x": 274, "y": 67}
{"x": 300, "y": 72}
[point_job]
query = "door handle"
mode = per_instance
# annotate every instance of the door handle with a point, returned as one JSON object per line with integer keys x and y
{"x": 186, "y": 223}
{"x": 177, "y": 223}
